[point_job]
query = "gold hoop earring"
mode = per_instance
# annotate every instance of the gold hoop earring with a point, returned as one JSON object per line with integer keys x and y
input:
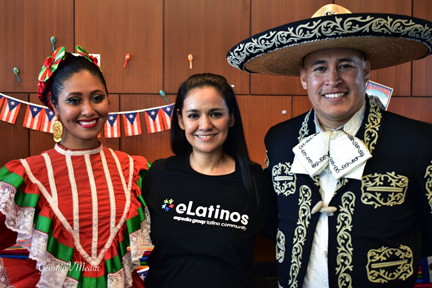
{"x": 57, "y": 130}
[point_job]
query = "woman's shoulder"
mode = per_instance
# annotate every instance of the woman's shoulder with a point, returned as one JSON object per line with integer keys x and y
{"x": 256, "y": 168}
{"x": 261, "y": 178}
{"x": 17, "y": 166}
{"x": 169, "y": 162}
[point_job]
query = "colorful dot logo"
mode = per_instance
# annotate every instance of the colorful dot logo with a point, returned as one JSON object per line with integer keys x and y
{"x": 168, "y": 204}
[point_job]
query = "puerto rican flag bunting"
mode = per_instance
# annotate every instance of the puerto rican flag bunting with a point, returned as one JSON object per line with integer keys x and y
{"x": 41, "y": 118}
{"x": 47, "y": 121}
{"x": 132, "y": 124}
{"x": 33, "y": 117}
{"x": 10, "y": 110}
{"x": 167, "y": 115}
{"x": 154, "y": 120}
{"x": 112, "y": 126}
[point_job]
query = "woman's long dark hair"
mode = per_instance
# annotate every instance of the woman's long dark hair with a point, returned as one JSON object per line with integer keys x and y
{"x": 235, "y": 144}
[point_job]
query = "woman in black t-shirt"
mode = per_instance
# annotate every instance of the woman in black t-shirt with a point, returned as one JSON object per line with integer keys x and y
{"x": 208, "y": 202}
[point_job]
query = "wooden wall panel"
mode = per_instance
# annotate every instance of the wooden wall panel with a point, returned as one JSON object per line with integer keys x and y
{"x": 206, "y": 29}
{"x": 150, "y": 145}
{"x": 14, "y": 137}
{"x": 422, "y": 69}
{"x": 269, "y": 14}
{"x": 259, "y": 113}
{"x": 397, "y": 77}
{"x": 26, "y": 28}
{"x": 418, "y": 108}
{"x": 301, "y": 104}
{"x": 115, "y": 28}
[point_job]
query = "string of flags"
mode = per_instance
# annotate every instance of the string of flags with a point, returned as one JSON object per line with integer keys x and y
{"x": 41, "y": 118}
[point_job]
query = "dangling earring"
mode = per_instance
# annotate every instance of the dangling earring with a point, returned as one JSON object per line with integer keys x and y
{"x": 57, "y": 130}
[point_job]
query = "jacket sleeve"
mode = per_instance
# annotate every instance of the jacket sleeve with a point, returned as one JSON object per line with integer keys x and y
{"x": 424, "y": 186}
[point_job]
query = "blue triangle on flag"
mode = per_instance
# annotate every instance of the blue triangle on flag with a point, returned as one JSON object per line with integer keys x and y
{"x": 168, "y": 109}
{"x": 35, "y": 110}
{"x": 50, "y": 114}
{"x": 112, "y": 119}
{"x": 12, "y": 104}
{"x": 153, "y": 113}
{"x": 131, "y": 117}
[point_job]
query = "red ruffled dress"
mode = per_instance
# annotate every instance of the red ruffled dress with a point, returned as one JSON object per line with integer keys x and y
{"x": 77, "y": 212}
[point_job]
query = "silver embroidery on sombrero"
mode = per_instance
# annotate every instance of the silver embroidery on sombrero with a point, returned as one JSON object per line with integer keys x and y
{"x": 428, "y": 184}
{"x": 284, "y": 182}
{"x": 344, "y": 240}
{"x": 328, "y": 29}
{"x": 305, "y": 203}
{"x": 384, "y": 189}
{"x": 372, "y": 126}
{"x": 280, "y": 246}
{"x": 386, "y": 264}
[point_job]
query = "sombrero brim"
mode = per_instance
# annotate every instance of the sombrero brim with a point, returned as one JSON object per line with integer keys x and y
{"x": 387, "y": 40}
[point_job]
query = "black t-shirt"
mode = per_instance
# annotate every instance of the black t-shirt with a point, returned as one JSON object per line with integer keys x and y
{"x": 203, "y": 235}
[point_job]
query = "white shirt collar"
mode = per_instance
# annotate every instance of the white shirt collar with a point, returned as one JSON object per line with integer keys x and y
{"x": 347, "y": 154}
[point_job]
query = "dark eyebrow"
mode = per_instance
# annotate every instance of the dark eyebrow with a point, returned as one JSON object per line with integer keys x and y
{"x": 216, "y": 109}
{"x": 191, "y": 110}
{"x": 318, "y": 62}
{"x": 345, "y": 60}
{"x": 91, "y": 93}
{"x": 196, "y": 111}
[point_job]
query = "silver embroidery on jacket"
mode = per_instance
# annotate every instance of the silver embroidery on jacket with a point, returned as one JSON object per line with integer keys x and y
{"x": 384, "y": 189}
{"x": 386, "y": 264}
{"x": 305, "y": 202}
{"x": 345, "y": 247}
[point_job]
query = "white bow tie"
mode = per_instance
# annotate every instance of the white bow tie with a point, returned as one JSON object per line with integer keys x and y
{"x": 345, "y": 155}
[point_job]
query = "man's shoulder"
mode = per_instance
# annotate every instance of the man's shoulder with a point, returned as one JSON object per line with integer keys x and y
{"x": 291, "y": 123}
{"x": 404, "y": 123}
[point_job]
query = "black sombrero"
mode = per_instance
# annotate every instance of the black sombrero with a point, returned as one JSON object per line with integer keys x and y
{"x": 387, "y": 40}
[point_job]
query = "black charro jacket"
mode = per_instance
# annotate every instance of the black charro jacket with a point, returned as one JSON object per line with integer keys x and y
{"x": 383, "y": 225}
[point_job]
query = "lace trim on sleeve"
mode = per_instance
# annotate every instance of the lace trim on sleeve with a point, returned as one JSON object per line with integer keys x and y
{"x": 123, "y": 277}
{"x": 117, "y": 280}
{"x": 18, "y": 219}
{"x": 140, "y": 240}
{"x": 53, "y": 272}
{"x": 38, "y": 249}
{"x": 70, "y": 283}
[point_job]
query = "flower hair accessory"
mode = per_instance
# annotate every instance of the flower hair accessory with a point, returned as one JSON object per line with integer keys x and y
{"x": 50, "y": 65}
{"x": 84, "y": 53}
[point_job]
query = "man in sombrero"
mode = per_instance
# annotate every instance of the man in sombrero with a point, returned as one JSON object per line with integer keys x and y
{"x": 354, "y": 182}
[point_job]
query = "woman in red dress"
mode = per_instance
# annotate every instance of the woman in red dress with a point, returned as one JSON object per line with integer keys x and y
{"x": 77, "y": 207}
